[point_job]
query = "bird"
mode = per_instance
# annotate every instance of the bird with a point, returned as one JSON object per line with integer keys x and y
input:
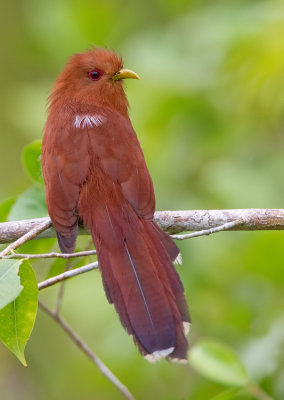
{"x": 95, "y": 174}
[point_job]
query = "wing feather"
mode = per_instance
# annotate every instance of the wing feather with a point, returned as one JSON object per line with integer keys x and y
{"x": 65, "y": 165}
{"x": 116, "y": 145}
{"x": 68, "y": 156}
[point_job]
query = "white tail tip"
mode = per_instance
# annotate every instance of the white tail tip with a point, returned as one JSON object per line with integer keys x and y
{"x": 158, "y": 354}
{"x": 179, "y": 361}
{"x": 178, "y": 259}
{"x": 186, "y": 327}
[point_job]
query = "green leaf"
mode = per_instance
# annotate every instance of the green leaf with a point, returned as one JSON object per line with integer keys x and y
{"x": 30, "y": 204}
{"x": 5, "y": 208}
{"x": 17, "y": 318}
{"x": 31, "y": 157}
{"x": 218, "y": 362}
{"x": 10, "y": 285}
{"x": 228, "y": 394}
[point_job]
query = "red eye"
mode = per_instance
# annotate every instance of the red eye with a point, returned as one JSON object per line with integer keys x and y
{"x": 95, "y": 75}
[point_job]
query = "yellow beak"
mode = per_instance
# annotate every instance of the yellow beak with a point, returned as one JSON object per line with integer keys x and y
{"x": 124, "y": 74}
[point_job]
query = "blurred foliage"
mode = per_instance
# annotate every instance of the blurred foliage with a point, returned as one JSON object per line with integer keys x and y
{"x": 31, "y": 157}
{"x": 219, "y": 363}
{"x": 209, "y": 114}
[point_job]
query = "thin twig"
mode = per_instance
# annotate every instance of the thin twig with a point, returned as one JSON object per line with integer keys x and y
{"x": 89, "y": 267}
{"x": 68, "y": 266}
{"x": 67, "y": 275}
{"x": 27, "y": 236}
{"x": 61, "y": 289}
{"x": 50, "y": 255}
{"x": 206, "y": 232}
{"x": 82, "y": 345}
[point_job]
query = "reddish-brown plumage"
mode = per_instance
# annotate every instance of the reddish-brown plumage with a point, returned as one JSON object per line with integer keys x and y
{"x": 94, "y": 171}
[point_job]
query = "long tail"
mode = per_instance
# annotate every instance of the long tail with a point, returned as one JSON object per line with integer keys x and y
{"x": 135, "y": 259}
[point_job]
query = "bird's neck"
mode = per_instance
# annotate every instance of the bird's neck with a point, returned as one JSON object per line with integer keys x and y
{"x": 114, "y": 100}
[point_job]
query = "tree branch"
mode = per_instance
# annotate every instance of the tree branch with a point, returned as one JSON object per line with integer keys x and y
{"x": 170, "y": 221}
{"x": 196, "y": 220}
{"x": 82, "y": 345}
{"x": 31, "y": 234}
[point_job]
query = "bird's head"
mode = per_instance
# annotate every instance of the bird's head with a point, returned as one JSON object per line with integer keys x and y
{"x": 93, "y": 77}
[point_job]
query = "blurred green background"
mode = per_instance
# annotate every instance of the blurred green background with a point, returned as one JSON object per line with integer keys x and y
{"x": 209, "y": 113}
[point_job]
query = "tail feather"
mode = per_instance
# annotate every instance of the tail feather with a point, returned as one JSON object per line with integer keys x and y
{"x": 67, "y": 241}
{"x": 113, "y": 293}
{"x": 168, "y": 244}
{"x": 139, "y": 278}
{"x": 162, "y": 241}
{"x": 146, "y": 304}
{"x": 139, "y": 285}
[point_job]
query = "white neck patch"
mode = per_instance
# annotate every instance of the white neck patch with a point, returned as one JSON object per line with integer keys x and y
{"x": 88, "y": 121}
